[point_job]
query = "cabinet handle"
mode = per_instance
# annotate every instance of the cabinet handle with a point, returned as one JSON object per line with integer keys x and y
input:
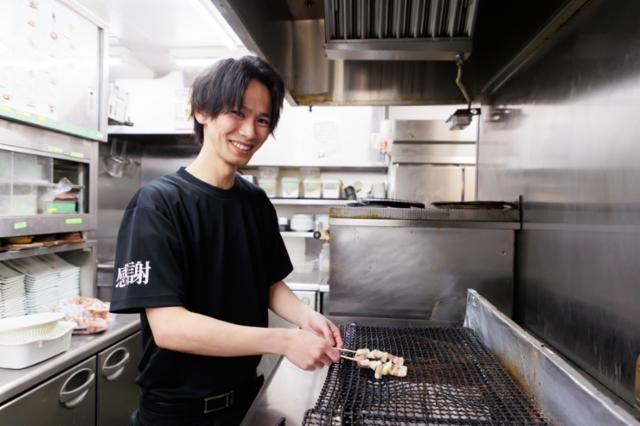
{"x": 112, "y": 372}
{"x": 73, "y": 397}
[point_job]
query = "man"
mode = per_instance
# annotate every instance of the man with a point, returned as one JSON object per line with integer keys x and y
{"x": 200, "y": 256}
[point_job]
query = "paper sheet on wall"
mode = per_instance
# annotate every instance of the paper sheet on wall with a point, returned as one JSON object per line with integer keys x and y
{"x": 325, "y": 138}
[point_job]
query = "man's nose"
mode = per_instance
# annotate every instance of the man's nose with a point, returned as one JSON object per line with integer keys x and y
{"x": 248, "y": 129}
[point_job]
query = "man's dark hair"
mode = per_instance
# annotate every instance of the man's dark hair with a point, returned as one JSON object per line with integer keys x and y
{"x": 220, "y": 88}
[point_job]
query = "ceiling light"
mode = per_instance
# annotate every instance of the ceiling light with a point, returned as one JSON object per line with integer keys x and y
{"x": 230, "y": 39}
{"x": 195, "y": 62}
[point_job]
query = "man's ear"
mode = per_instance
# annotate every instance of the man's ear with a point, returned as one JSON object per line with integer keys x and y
{"x": 201, "y": 117}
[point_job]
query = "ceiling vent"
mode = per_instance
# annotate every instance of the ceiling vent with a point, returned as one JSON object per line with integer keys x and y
{"x": 431, "y": 30}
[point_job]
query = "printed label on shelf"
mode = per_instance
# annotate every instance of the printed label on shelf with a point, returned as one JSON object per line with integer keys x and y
{"x": 76, "y": 154}
{"x": 20, "y": 225}
{"x": 73, "y": 221}
{"x": 55, "y": 149}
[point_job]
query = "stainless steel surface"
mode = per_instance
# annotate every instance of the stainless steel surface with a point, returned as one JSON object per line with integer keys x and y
{"x": 117, "y": 389}
{"x": 279, "y": 30}
{"x": 563, "y": 393}
{"x": 417, "y": 269}
{"x": 114, "y": 195}
{"x": 430, "y": 217}
{"x": 68, "y": 399}
{"x": 21, "y": 138}
{"x": 431, "y": 163}
{"x": 572, "y": 152}
{"x": 14, "y": 382}
{"x": 433, "y": 153}
{"x": 287, "y": 394}
{"x": 431, "y": 131}
{"x": 399, "y": 31}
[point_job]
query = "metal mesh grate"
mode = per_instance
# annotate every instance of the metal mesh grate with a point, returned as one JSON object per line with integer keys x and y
{"x": 452, "y": 380}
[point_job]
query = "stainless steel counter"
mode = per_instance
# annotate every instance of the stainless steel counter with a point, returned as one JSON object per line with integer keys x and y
{"x": 14, "y": 382}
{"x": 287, "y": 394}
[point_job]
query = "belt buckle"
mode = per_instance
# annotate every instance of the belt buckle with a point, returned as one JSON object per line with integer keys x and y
{"x": 218, "y": 402}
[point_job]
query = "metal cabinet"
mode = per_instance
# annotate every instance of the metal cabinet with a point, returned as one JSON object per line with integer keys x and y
{"x": 117, "y": 391}
{"x": 67, "y": 399}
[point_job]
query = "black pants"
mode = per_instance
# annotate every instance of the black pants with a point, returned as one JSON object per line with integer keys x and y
{"x": 147, "y": 415}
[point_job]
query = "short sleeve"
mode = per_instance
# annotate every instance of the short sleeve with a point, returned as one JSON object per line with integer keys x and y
{"x": 279, "y": 263}
{"x": 148, "y": 265}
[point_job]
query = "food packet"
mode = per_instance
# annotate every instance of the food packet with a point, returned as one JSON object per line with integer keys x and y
{"x": 91, "y": 315}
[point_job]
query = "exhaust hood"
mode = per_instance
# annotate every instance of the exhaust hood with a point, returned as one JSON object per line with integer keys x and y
{"x": 437, "y": 30}
{"x": 385, "y": 52}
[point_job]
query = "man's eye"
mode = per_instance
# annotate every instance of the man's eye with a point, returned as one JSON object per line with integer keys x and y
{"x": 264, "y": 121}
{"x": 237, "y": 113}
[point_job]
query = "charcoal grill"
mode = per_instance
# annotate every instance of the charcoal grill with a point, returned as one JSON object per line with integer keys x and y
{"x": 456, "y": 376}
{"x": 452, "y": 379}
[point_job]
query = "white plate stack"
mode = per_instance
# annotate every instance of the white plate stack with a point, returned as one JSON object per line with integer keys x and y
{"x": 302, "y": 223}
{"x": 40, "y": 283}
{"x": 68, "y": 276}
{"x": 12, "y": 295}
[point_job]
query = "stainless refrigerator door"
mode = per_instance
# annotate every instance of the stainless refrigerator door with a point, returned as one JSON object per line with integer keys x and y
{"x": 117, "y": 390}
{"x": 426, "y": 183}
{"x": 68, "y": 399}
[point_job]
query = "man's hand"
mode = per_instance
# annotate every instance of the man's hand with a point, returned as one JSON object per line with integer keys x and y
{"x": 309, "y": 351}
{"x": 320, "y": 325}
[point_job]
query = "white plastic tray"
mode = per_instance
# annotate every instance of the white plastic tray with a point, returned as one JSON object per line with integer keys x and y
{"x": 20, "y": 351}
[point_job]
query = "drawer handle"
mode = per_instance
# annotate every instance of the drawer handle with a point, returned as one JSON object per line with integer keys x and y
{"x": 73, "y": 397}
{"x": 113, "y": 371}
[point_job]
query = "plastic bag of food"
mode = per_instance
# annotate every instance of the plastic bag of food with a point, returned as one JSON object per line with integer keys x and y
{"x": 90, "y": 315}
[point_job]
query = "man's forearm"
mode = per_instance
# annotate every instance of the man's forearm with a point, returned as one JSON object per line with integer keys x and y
{"x": 283, "y": 302}
{"x": 178, "y": 329}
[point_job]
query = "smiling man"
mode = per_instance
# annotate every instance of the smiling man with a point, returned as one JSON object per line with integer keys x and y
{"x": 200, "y": 257}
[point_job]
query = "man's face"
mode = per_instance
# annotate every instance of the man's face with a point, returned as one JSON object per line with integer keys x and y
{"x": 235, "y": 136}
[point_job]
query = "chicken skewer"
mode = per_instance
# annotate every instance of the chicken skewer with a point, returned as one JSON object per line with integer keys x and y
{"x": 383, "y": 364}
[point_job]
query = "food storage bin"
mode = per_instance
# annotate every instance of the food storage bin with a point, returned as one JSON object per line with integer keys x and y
{"x": 5, "y": 166}
{"x": 30, "y": 168}
{"x": 331, "y": 188}
{"x": 290, "y": 187}
{"x": 24, "y": 200}
{"x": 269, "y": 185}
{"x": 312, "y": 188}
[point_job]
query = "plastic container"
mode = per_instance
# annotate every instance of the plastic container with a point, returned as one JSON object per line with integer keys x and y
{"x": 29, "y": 326}
{"x": 331, "y": 188}
{"x": 290, "y": 187}
{"x": 24, "y": 200}
{"x": 269, "y": 185}
{"x": 20, "y": 352}
{"x": 312, "y": 188}
{"x": 302, "y": 223}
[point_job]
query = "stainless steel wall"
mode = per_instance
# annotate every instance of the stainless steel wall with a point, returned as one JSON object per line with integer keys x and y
{"x": 569, "y": 144}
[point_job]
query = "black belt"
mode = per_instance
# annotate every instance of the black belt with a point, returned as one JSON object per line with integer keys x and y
{"x": 200, "y": 406}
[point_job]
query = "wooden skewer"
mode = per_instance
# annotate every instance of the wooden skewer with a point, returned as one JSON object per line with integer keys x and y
{"x": 348, "y": 350}
{"x": 349, "y": 358}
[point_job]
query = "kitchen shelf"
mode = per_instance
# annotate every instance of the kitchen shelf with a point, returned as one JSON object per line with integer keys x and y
{"x": 8, "y": 255}
{"x": 310, "y": 201}
{"x": 128, "y": 130}
{"x": 297, "y": 234}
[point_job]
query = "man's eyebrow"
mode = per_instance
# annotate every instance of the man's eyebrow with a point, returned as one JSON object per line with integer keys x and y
{"x": 262, "y": 114}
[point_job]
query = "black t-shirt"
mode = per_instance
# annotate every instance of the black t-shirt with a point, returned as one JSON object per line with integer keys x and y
{"x": 183, "y": 242}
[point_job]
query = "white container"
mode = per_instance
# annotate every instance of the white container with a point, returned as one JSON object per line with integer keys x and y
{"x": 290, "y": 187}
{"x": 20, "y": 352}
{"x": 301, "y": 223}
{"x": 312, "y": 188}
{"x": 331, "y": 188}
{"x": 28, "y": 326}
{"x": 269, "y": 185}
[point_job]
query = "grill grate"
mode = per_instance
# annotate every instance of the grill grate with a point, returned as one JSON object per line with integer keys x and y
{"x": 452, "y": 380}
